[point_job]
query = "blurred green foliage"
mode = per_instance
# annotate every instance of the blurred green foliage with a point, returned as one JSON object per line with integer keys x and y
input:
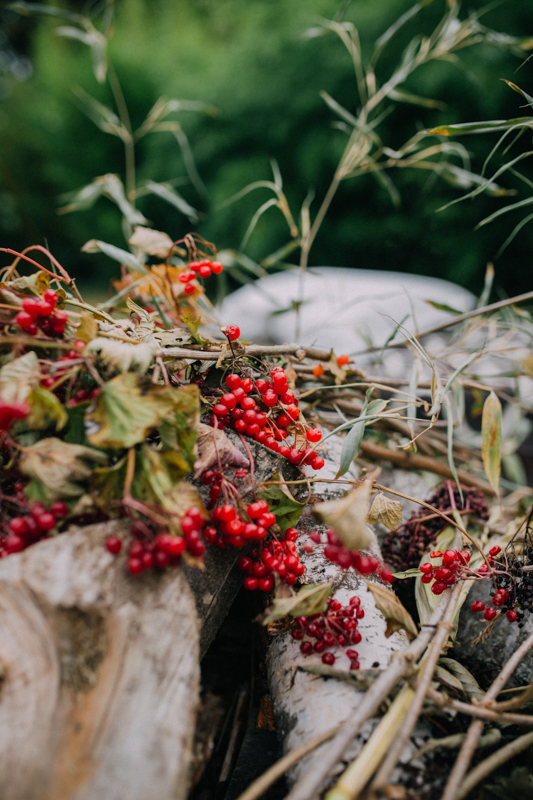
{"x": 249, "y": 59}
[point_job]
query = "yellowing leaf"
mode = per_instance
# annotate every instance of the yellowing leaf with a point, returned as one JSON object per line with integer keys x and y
{"x": 45, "y": 408}
{"x": 87, "y": 330}
{"x": 210, "y": 453}
{"x": 127, "y": 409}
{"x": 60, "y": 466}
{"x": 491, "y": 440}
{"x": 347, "y": 515}
{"x": 395, "y": 614}
{"x": 19, "y": 377}
{"x": 339, "y": 372}
{"x": 310, "y": 599}
{"x": 388, "y": 512}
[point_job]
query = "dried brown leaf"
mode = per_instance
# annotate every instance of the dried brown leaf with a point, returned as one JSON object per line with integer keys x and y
{"x": 388, "y": 512}
{"x": 214, "y": 445}
{"x": 153, "y": 243}
{"x": 348, "y": 515}
{"x": 311, "y": 599}
{"x": 88, "y": 328}
{"x": 59, "y": 466}
{"x": 396, "y": 616}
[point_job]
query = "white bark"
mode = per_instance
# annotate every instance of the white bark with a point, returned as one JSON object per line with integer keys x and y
{"x": 100, "y": 674}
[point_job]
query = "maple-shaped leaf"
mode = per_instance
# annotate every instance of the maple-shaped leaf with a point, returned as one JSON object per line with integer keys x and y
{"x": 214, "y": 447}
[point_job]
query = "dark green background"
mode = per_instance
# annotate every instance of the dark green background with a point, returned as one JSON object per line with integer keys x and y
{"x": 246, "y": 57}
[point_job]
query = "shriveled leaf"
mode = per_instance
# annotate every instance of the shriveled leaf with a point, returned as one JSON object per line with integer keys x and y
{"x": 396, "y": 616}
{"x": 45, "y": 409}
{"x": 214, "y": 445}
{"x": 286, "y": 509}
{"x": 19, "y": 377}
{"x": 347, "y": 515}
{"x": 60, "y": 466}
{"x": 123, "y": 356}
{"x": 491, "y": 440}
{"x": 127, "y": 409}
{"x": 153, "y": 243}
{"x": 107, "y": 485}
{"x": 387, "y": 512}
{"x": 468, "y": 682}
{"x": 88, "y": 328}
{"x": 311, "y": 599}
{"x": 338, "y": 372}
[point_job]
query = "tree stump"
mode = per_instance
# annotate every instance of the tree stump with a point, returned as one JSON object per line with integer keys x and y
{"x": 100, "y": 674}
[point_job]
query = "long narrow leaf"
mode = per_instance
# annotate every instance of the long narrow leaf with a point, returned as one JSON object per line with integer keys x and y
{"x": 491, "y": 440}
{"x": 116, "y": 253}
{"x": 451, "y": 461}
{"x": 352, "y": 443}
{"x": 170, "y": 195}
{"x": 527, "y": 202}
{"x": 255, "y": 219}
{"x": 488, "y": 126}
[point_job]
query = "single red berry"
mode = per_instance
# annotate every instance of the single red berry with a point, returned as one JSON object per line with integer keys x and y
{"x": 220, "y": 410}
{"x": 490, "y": 614}
{"x": 189, "y": 288}
{"x": 233, "y": 381}
{"x": 176, "y": 546}
{"x": 478, "y": 605}
{"x": 297, "y": 633}
{"x": 426, "y": 568}
{"x": 232, "y": 332}
{"x": 226, "y": 513}
{"x": 135, "y": 566}
{"x": 266, "y": 584}
{"x": 292, "y": 411}
{"x": 287, "y": 398}
{"x": 251, "y": 584}
{"x": 270, "y": 398}
{"x": 14, "y": 543}
{"x": 343, "y": 360}
{"x": 46, "y": 521}
{"x": 266, "y": 520}
{"x": 291, "y": 535}
{"x": 114, "y": 544}
{"x": 435, "y": 554}
{"x": 317, "y": 462}
{"x": 18, "y": 525}
{"x": 495, "y": 550}
{"x": 247, "y": 384}
{"x": 204, "y": 271}
{"x": 328, "y": 658}
{"x": 318, "y": 371}
{"x": 229, "y": 400}
{"x": 217, "y": 267}
{"x": 241, "y": 426}
{"x": 511, "y": 615}
{"x": 306, "y": 648}
{"x": 313, "y": 435}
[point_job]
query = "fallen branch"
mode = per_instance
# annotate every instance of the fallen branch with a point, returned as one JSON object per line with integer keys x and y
{"x": 494, "y": 761}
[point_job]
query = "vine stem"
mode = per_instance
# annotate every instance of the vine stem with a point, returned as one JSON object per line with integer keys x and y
{"x": 451, "y": 791}
{"x": 494, "y": 761}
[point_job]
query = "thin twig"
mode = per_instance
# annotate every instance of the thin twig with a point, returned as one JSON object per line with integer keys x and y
{"x": 494, "y": 761}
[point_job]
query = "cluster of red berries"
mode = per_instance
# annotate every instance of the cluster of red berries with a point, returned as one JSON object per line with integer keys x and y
{"x": 202, "y": 269}
{"x": 40, "y": 313}
{"x": 489, "y": 613}
{"x": 273, "y": 557}
{"x": 11, "y": 412}
{"x": 445, "y": 573}
{"x": 336, "y": 552}
{"x": 336, "y": 627}
{"x": 164, "y": 550}
{"x": 246, "y": 415}
{"x": 227, "y": 528}
{"x": 31, "y": 528}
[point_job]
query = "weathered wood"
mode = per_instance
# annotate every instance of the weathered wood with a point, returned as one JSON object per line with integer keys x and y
{"x": 100, "y": 674}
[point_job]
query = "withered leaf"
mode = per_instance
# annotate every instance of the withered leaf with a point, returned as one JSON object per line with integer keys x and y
{"x": 212, "y": 442}
{"x": 396, "y": 616}
{"x": 311, "y": 599}
{"x": 153, "y": 243}
{"x": 388, "y": 512}
{"x": 88, "y": 328}
{"x": 60, "y": 466}
{"x": 45, "y": 408}
{"x": 347, "y": 515}
{"x": 19, "y": 377}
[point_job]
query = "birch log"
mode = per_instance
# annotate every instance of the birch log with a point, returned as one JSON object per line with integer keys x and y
{"x": 100, "y": 674}
{"x": 306, "y": 705}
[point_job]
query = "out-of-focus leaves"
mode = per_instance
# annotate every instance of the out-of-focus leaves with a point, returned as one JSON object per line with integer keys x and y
{"x": 387, "y": 512}
{"x": 166, "y": 192}
{"x": 491, "y": 440}
{"x": 127, "y": 409}
{"x": 348, "y": 515}
{"x": 123, "y": 356}
{"x": 60, "y": 466}
{"x": 36, "y": 8}
{"x": 19, "y": 377}
{"x": 94, "y": 39}
{"x": 311, "y": 599}
{"x": 396, "y": 616}
{"x": 114, "y": 252}
{"x": 286, "y": 509}
{"x": 487, "y": 126}
{"x": 179, "y": 430}
{"x": 213, "y": 444}
{"x": 45, "y": 409}
{"x": 87, "y": 330}
{"x": 109, "y": 186}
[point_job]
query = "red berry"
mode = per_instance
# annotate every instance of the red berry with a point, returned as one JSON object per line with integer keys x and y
{"x": 343, "y": 360}
{"x": 241, "y": 426}
{"x": 270, "y": 398}
{"x": 478, "y": 605}
{"x": 267, "y": 519}
{"x": 251, "y": 584}
{"x": 233, "y": 381}
{"x": 287, "y": 398}
{"x": 217, "y": 267}
{"x": 490, "y": 614}
{"x": 317, "y": 463}
{"x": 14, "y": 543}
{"x": 306, "y": 648}
{"x": 247, "y": 384}
{"x": 435, "y": 554}
{"x": 220, "y": 410}
{"x": 232, "y": 332}
{"x": 426, "y": 568}
{"x": 46, "y": 521}
{"x": 189, "y": 288}
{"x": 135, "y": 566}
{"x": 226, "y": 513}
{"x": 266, "y": 584}
{"x": 297, "y": 633}
{"x": 313, "y": 435}
{"x": 511, "y": 615}
{"x": 261, "y": 385}
{"x": 175, "y": 546}
{"x": 18, "y": 525}
{"x": 204, "y": 271}
{"x": 328, "y": 658}
{"x": 438, "y": 587}
{"x": 229, "y": 400}
{"x": 114, "y": 544}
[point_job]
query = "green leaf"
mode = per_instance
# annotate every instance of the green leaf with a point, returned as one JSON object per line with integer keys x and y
{"x": 311, "y": 599}
{"x": 463, "y": 128}
{"x": 19, "y": 377}
{"x": 45, "y": 409}
{"x": 491, "y": 440}
{"x": 469, "y": 684}
{"x": 170, "y": 195}
{"x": 286, "y": 509}
{"x": 352, "y": 443}
{"x": 60, "y": 466}
{"x": 179, "y": 431}
{"x": 107, "y": 485}
{"x": 25, "y": 8}
{"x": 443, "y": 307}
{"x": 127, "y": 409}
